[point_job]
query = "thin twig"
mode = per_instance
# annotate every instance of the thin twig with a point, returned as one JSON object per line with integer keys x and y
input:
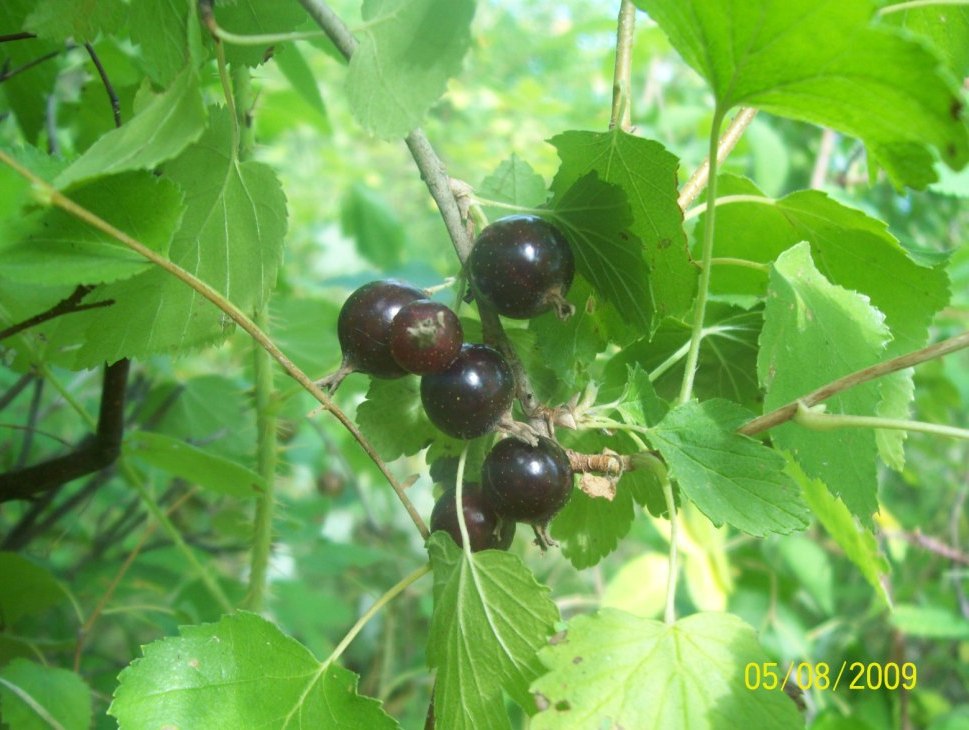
{"x": 15, "y": 390}
{"x": 932, "y": 544}
{"x": 30, "y": 64}
{"x": 32, "y": 412}
{"x": 788, "y": 411}
{"x": 234, "y": 313}
{"x": 108, "y": 88}
{"x": 66, "y": 306}
{"x": 17, "y": 36}
{"x": 728, "y": 141}
{"x": 621, "y": 115}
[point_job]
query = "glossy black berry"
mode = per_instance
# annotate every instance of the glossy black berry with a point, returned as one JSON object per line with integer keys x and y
{"x": 522, "y": 266}
{"x": 469, "y": 398}
{"x": 425, "y": 337}
{"x": 485, "y": 529}
{"x": 527, "y": 483}
{"x": 363, "y": 326}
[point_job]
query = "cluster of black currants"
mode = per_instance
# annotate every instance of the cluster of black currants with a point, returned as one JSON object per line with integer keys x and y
{"x": 521, "y": 266}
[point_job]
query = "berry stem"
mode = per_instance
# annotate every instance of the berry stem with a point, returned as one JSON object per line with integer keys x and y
{"x": 816, "y": 420}
{"x": 459, "y": 499}
{"x": 703, "y": 288}
{"x": 386, "y": 598}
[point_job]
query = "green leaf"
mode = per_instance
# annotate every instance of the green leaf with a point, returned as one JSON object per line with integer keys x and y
{"x": 514, "y": 182}
{"x": 37, "y": 590}
{"x": 815, "y": 332}
{"x": 169, "y": 35}
{"x": 490, "y": 618}
{"x": 408, "y": 50}
{"x": 595, "y": 218}
{"x": 160, "y": 131}
{"x": 231, "y": 237}
{"x": 241, "y": 673}
{"x": 930, "y": 622}
{"x": 868, "y": 81}
{"x": 945, "y": 26}
{"x": 212, "y": 409}
{"x": 296, "y": 330}
{"x": 256, "y": 17}
{"x": 646, "y": 172}
{"x": 569, "y": 348}
{"x": 81, "y": 20}
{"x": 730, "y": 477}
{"x": 408, "y": 431}
{"x": 366, "y": 217}
{"x": 639, "y": 404}
{"x": 38, "y": 697}
{"x": 857, "y": 541}
{"x": 617, "y": 670}
{"x": 181, "y": 459}
{"x": 59, "y": 249}
{"x": 849, "y": 248}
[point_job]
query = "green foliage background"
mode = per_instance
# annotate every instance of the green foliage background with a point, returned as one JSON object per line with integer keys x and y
{"x": 328, "y": 198}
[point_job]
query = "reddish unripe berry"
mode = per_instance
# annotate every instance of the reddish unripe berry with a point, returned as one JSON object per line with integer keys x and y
{"x": 425, "y": 337}
{"x": 363, "y": 326}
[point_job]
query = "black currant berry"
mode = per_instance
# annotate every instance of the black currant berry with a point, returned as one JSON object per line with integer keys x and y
{"x": 469, "y": 398}
{"x": 363, "y": 329}
{"x": 522, "y": 266}
{"x": 425, "y": 337}
{"x": 485, "y": 529}
{"x": 527, "y": 483}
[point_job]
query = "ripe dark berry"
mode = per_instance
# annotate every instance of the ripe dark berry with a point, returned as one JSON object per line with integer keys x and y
{"x": 469, "y": 398}
{"x": 527, "y": 483}
{"x": 425, "y": 337}
{"x": 363, "y": 329}
{"x": 522, "y": 266}
{"x": 485, "y": 529}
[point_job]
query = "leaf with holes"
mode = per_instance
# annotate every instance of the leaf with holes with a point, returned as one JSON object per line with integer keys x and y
{"x": 615, "y": 670}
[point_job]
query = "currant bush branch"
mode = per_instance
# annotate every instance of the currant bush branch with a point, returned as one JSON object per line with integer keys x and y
{"x": 234, "y": 313}
{"x": 788, "y": 411}
{"x": 621, "y": 115}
